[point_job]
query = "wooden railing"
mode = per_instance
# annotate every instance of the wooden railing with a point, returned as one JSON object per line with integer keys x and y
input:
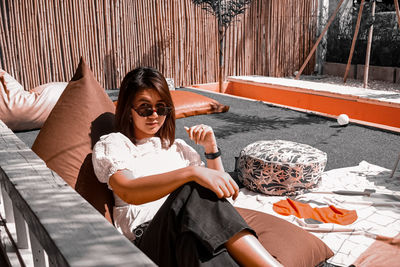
{"x": 46, "y": 223}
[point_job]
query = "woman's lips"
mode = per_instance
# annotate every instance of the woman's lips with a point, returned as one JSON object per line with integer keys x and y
{"x": 155, "y": 123}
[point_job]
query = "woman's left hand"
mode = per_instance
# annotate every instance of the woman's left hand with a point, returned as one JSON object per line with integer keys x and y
{"x": 203, "y": 135}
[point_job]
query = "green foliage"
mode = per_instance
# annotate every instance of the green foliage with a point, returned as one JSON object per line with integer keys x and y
{"x": 385, "y": 49}
{"x": 382, "y": 5}
{"x": 224, "y": 10}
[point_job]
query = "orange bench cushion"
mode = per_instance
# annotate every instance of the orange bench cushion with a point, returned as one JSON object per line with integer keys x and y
{"x": 190, "y": 104}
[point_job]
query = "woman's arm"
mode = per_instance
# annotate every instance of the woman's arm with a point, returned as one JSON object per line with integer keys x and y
{"x": 204, "y": 135}
{"x": 216, "y": 163}
{"x": 149, "y": 188}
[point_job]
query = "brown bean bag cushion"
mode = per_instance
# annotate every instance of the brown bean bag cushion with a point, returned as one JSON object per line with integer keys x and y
{"x": 23, "y": 110}
{"x": 82, "y": 114}
{"x": 288, "y": 243}
{"x": 190, "y": 104}
{"x": 383, "y": 252}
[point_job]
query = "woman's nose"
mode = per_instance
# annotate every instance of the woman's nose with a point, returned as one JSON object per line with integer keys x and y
{"x": 154, "y": 114}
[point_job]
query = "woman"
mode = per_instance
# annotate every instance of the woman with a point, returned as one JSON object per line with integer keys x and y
{"x": 166, "y": 201}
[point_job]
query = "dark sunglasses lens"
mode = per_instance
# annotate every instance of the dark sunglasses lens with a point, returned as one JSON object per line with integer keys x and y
{"x": 148, "y": 111}
{"x": 162, "y": 111}
{"x": 145, "y": 112}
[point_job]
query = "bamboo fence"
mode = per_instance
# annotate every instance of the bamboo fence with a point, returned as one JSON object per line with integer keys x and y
{"x": 42, "y": 41}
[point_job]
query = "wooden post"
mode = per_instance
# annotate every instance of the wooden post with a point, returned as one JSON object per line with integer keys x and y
{"x": 321, "y": 19}
{"x": 221, "y": 59}
{"x": 21, "y": 229}
{"x": 221, "y": 47}
{"x": 353, "y": 44}
{"x": 369, "y": 44}
{"x": 319, "y": 39}
{"x": 38, "y": 253}
{"x": 396, "y": 5}
{"x": 8, "y": 206}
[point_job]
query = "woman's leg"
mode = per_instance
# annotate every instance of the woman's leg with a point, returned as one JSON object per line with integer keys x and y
{"x": 190, "y": 252}
{"x": 192, "y": 221}
{"x": 245, "y": 248}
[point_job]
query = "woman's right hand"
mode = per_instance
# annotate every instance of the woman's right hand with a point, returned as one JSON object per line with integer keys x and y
{"x": 221, "y": 183}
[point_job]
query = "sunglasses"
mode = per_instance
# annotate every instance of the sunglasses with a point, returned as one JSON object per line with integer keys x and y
{"x": 146, "y": 111}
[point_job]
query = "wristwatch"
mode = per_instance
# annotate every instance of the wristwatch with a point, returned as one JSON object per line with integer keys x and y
{"x": 213, "y": 155}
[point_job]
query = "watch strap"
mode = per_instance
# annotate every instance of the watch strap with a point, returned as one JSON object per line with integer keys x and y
{"x": 213, "y": 155}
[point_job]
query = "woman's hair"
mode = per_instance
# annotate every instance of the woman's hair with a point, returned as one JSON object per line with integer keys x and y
{"x": 135, "y": 81}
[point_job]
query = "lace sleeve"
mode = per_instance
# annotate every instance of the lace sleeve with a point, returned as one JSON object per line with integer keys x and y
{"x": 110, "y": 154}
{"x": 189, "y": 153}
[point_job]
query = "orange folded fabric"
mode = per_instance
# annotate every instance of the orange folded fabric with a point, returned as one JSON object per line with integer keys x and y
{"x": 329, "y": 214}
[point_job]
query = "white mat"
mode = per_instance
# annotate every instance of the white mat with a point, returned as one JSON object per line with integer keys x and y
{"x": 375, "y": 216}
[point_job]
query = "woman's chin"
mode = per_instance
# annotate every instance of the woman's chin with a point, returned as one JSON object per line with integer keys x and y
{"x": 153, "y": 130}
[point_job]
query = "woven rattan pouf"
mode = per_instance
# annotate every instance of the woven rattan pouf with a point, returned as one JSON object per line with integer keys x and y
{"x": 279, "y": 167}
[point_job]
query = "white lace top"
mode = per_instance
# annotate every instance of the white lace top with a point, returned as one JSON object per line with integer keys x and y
{"x": 115, "y": 152}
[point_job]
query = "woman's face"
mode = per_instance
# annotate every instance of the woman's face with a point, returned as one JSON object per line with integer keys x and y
{"x": 148, "y": 126}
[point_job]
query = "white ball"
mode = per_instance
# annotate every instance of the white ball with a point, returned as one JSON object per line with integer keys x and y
{"x": 343, "y": 119}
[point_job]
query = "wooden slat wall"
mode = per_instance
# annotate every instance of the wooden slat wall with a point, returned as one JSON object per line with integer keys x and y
{"x": 42, "y": 41}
